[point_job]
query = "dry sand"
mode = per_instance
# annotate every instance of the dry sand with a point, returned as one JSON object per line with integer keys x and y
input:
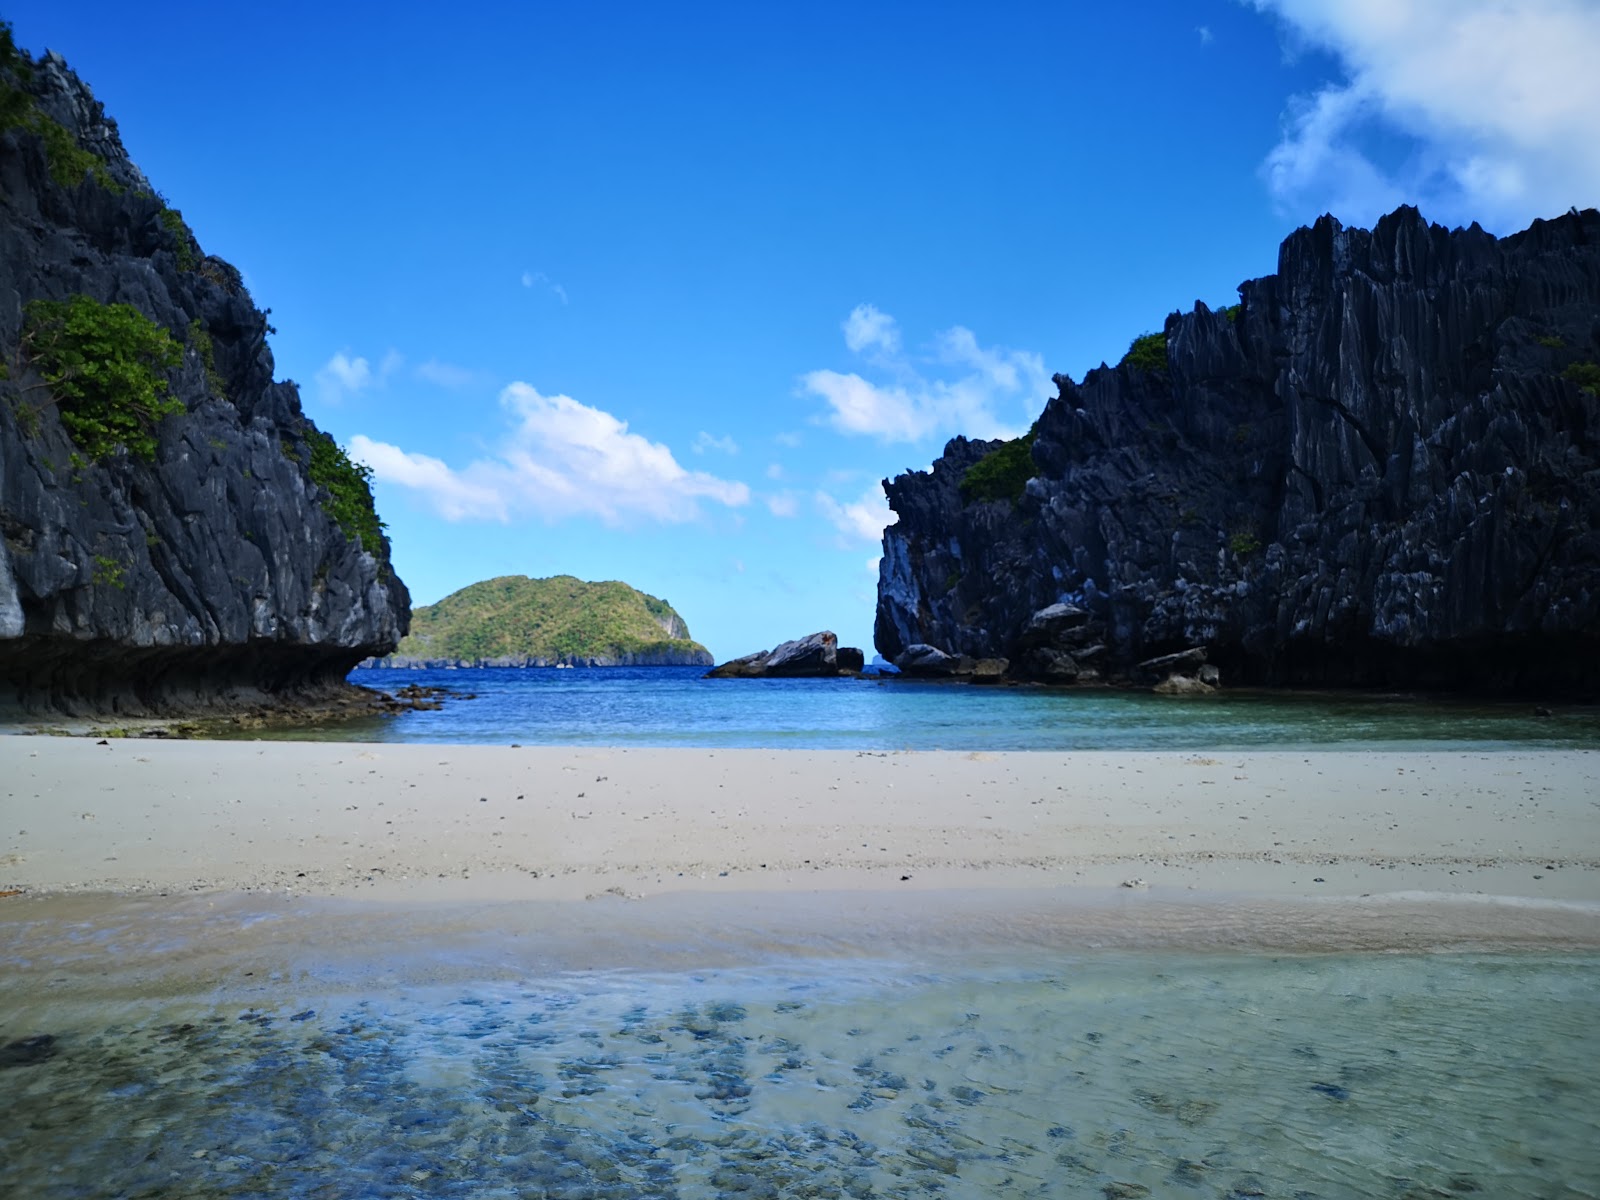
{"x": 474, "y": 823}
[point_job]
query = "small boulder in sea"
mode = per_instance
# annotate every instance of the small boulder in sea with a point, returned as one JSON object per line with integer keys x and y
{"x": 925, "y": 660}
{"x": 816, "y": 656}
{"x": 25, "y": 1052}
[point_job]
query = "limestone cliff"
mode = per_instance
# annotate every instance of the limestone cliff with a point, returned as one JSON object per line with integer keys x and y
{"x": 227, "y": 565}
{"x": 1381, "y": 468}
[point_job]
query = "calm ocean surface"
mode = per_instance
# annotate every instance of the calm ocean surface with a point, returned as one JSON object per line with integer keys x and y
{"x": 674, "y": 706}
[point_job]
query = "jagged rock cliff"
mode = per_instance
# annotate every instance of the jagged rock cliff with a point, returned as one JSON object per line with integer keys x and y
{"x": 1381, "y": 469}
{"x": 210, "y": 573}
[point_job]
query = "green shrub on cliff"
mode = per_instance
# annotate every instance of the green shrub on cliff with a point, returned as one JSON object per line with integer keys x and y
{"x": 1586, "y": 375}
{"x": 1001, "y": 474}
{"x": 69, "y": 162}
{"x": 1147, "y": 352}
{"x": 349, "y": 486}
{"x": 172, "y": 220}
{"x": 105, "y": 366}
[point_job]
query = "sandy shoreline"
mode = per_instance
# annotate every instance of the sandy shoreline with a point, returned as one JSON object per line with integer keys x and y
{"x": 563, "y": 823}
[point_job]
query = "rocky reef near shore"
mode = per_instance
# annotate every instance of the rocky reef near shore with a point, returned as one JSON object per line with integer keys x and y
{"x": 815, "y": 656}
{"x": 190, "y": 542}
{"x": 1381, "y": 468}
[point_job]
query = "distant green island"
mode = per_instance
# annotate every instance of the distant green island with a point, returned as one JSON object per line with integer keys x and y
{"x": 514, "y": 621}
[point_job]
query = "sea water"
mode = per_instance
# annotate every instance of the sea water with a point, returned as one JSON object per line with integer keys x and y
{"x": 676, "y": 706}
{"x": 1041, "y": 1074}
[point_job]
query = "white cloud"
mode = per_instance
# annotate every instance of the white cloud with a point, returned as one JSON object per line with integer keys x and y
{"x": 774, "y": 470}
{"x": 1497, "y": 99}
{"x": 530, "y": 278}
{"x": 1206, "y": 36}
{"x": 791, "y": 440}
{"x": 447, "y": 375}
{"x": 703, "y": 441}
{"x": 343, "y": 376}
{"x": 456, "y": 496}
{"x": 867, "y": 328}
{"x": 783, "y": 504}
{"x": 559, "y": 459}
{"x": 351, "y": 374}
{"x": 861, "y": 520}
{"x": 998, "y": 391}
{"x": 873, "y": 563}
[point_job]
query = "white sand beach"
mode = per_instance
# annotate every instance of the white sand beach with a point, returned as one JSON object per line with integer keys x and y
{"x": 454, "y": 822}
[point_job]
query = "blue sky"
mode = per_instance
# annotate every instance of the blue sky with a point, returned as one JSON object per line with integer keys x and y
{"x": 660, "y": 293}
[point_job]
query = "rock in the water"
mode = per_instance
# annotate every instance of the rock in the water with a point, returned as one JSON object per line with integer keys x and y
{"x": 1184, "y": 662}
{"x": 817, "y": 655}
{"x": 922, "y": 659}
{"x": 25, "y": 1052}
{"x": 1381, "y": 468}
{"x": 1183, "y": 685}
{"x": 212, "y": 574}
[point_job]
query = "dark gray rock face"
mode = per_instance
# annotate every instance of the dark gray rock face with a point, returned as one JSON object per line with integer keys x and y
{"x": 1373, "y": 473}
{"x": 817, "y": 655}
{"x": 211, "y": 576}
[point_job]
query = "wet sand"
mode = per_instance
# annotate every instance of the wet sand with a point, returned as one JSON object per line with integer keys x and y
{"x": 481, "y": 823}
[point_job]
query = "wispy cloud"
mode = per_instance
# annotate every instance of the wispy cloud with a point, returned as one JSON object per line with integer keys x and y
{"x": 540, "y": 279}
{"x": 958, "y": 386}
{"x": 783, "y": 504}
{"x": 1497, "y": 102}
{"x": 866, "y": 328}
{"x": 448, "y": 375}
{"x": 788, "y": 439}
{"x": 704, "y": 441}
{"x": 346, "y": 375}
{"x": 1206, "y": 36}
{"x": 558, "y": 459}
{"x": 861, "y": 520}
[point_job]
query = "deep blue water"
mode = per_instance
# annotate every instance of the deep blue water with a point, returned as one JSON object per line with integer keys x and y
{"x": 675, "y": 706}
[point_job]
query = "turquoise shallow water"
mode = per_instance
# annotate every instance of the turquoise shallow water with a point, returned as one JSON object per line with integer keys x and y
{"x": 667, "y": 706}
{"x": 1118, "y": 1075}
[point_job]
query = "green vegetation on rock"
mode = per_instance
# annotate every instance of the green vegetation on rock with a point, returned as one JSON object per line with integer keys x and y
{"x": 561, "y": 618}
{"x": 1147, "y": 352}
{"x": 1001, "y": 474}
{"x": 349, "y": 486}
{"x": 200, "y": 341}
{"x": 69, "y": 162}
{"x": 1586, "y": 375}
{"x": 105, "y": 366}
{"x": 172, "y": 220}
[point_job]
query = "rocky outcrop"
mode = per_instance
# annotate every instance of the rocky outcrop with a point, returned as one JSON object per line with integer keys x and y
{"x": 816, "y": 656}
{"x": 1382, "y": 468}
{"x": 212, "y": 574}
